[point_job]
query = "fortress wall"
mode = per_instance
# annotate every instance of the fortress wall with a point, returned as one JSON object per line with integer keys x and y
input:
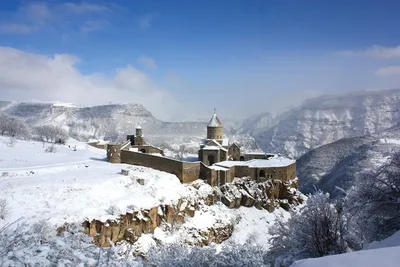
{"x": 190, "y": 172}
{"x": 149, "y": 149}
{"x": 159, "y": 163}
{"x": 291, "y": 171}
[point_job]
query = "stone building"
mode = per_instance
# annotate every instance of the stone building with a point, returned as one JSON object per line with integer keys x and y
{"x": 215, "y": 148}
{"x": 137, "y": 143}
{"x": 219, "y": 162}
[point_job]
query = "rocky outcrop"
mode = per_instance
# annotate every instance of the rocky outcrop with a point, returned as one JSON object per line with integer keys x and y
{"x": 241, "y": 192}
{"x": 132, "y": 225}
{"x": 267, "y": 195}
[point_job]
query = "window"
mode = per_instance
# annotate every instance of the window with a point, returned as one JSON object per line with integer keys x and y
{"x": 261, "y": 174}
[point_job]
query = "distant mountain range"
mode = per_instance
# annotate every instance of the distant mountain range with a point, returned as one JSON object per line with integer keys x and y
{"x": 114, "y": 122}
{"x": 317, "y": 122}
{"x": 335, "y": 166}
{"x": 324, "y": 120}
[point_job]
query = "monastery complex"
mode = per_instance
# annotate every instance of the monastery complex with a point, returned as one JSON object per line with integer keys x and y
{"x": 220, "y": 161}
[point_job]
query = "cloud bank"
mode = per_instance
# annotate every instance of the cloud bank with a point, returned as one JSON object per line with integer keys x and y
{"x": 376, "y": 51}
{"x": 25, "y": 76}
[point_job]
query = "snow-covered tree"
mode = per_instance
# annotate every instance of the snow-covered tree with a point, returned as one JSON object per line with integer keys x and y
{"x": 231, "y": 254}
{"x": 14, "y": 127}
{"x": 318, "y": 229}
{"x": 51, "y": 133}
{"x": 374, "y": 202}
{"x": 37, "y": 245}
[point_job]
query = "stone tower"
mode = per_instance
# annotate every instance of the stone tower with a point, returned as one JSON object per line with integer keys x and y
{"x": 139, "y": 131}
{"x": 214, "y": 128}
{"x": 139, "y": 141}
{"x": 114, "y": 153}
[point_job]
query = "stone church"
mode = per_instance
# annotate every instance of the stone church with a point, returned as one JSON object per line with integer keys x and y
{"x": 215, "y": 148}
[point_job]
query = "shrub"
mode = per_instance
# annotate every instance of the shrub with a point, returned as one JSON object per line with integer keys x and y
{"x": 113, "y": 210}
{"x": 51, "y": 149}
{"x": 4, "y": 209}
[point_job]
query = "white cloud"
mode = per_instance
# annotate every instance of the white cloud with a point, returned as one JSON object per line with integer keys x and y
{"x": 25, "y": 76}
{"x": 37, "y": 15}
{"x": 388, "y": 71}
{"x": 376, "y": 51}
{"x": 148, "y": 62}
{"x": 146, "y": 19}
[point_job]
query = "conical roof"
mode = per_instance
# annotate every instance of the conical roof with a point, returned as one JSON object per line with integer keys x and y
{"x": 214, "y": 122}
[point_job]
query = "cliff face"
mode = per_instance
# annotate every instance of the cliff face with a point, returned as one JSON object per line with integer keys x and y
{"x": 242, "y": 192}
{"x": 326, "y": 119}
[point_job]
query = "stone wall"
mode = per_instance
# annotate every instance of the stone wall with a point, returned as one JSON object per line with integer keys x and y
{"x": 149, "y": 149}
{"x": 190, "y": 171}
{"x": 159, "y": 163}
{"x": 291, "y": 171}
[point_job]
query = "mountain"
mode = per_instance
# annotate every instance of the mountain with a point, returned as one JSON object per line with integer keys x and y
{"x": 106, "y": 121}
{"x": 112, "y": 122}
{"x": 325, "y": 119}
{"x": 259, "y": 123}
{"x": 339, "y": 163}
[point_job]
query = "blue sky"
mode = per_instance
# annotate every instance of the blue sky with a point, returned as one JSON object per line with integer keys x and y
{"x": 182, "y": 58}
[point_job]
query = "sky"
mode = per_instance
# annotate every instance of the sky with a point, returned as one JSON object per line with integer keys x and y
{"x": 182, "y": 59}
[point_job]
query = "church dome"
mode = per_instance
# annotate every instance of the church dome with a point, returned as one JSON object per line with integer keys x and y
{"x": 214, "y": 122}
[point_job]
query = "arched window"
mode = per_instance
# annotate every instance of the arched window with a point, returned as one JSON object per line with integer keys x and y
{"x": 261, "y": 174}
{"x": 211, "y": 160}
{"x": 143, "y": 150}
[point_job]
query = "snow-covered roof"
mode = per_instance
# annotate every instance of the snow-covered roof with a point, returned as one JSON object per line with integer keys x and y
{"x": 273, "y": 162}
{"x": 214, "y": 122}
{"x": 138, "y": 126}
{"x": 260, "y": 153}
{"x": 258, "y": 163}
{"x": 214, "y": 143}
{"x": 231, "y": 163}
{"x": 225, "y": 142}
{"x": 211, "y": 148}
{"x": 218, "y": 168}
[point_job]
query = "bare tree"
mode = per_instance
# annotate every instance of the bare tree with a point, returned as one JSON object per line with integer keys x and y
{"x": 4, "y": 209}
{"x": 374, "y": 201}
{"x": 320, "y": 229}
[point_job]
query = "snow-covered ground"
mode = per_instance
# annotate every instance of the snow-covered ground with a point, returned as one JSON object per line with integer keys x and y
{"x": 385, "y": 253}
{"x": 76, "y": 183}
